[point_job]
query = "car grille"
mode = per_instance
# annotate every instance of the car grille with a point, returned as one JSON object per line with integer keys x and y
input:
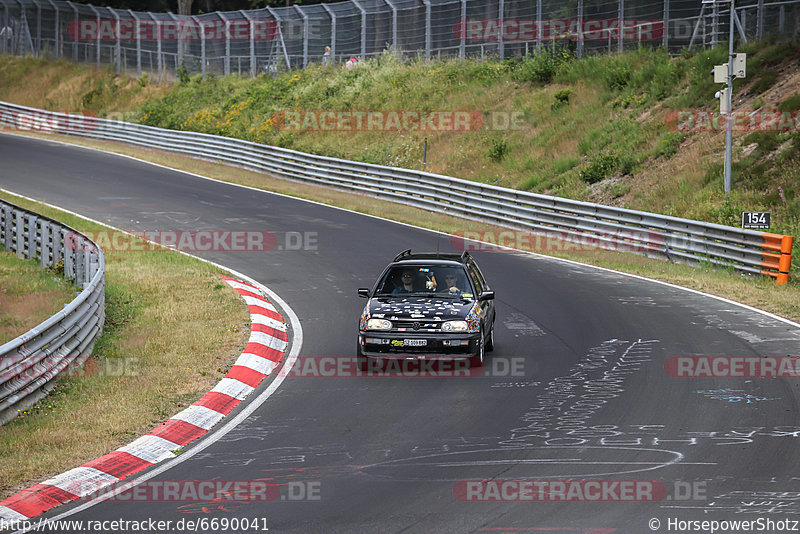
{"x": 417, "y": 326}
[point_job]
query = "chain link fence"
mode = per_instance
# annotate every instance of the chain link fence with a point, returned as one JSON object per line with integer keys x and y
{"x": 273, "y": 39}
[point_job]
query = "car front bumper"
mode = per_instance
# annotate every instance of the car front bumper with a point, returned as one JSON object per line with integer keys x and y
{"x": 403, "y": 345}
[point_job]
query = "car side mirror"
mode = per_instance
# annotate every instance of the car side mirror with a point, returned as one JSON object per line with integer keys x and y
{"x": 363, "y": 292}
{"x": 486, "y": 295}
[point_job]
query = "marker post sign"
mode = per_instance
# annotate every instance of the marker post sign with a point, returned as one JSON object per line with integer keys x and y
{"x": 756, "y": 220}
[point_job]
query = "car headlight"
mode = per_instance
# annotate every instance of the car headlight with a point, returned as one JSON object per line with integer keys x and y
{"x": 379, "y": 324}
{"x": 455, "y": 326}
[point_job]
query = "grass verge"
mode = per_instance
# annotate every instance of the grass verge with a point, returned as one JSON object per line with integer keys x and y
{"x": 760, "y": 292}
{"x": 28, "y": 294}
{"x": 172, "y": 330}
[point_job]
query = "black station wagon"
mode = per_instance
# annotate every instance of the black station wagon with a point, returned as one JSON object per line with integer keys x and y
{"x": 428, "y": 306}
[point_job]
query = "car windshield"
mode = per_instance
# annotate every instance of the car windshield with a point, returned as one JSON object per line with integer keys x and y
{"x": 439, "y": 280}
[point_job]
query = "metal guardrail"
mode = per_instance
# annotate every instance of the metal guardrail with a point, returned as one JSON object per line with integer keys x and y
{"x": 31, "y": 363}
{"x": 677, "y": 239}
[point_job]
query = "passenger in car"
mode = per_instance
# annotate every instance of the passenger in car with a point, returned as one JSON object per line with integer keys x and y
{"x": 407, "y": 279}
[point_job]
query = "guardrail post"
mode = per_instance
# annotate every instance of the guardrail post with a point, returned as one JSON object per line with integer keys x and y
{"x": 46, "y": 246}
{"x": 19, "y": 246}
{"x": 8, "y": 225}
{"x": 69, "y": 256}
{"x": 58, "y": 244}
{"x": 31, "y": 249}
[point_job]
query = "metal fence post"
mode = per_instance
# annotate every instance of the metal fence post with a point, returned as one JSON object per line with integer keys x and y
{"x": 137, "y": 28}
{"x": 97, "y": 41}
{"x": 620, "y": 22}
{"x": 3, "y": 41}
{"x": 305, "y": 35}
{"x": 227, "y": 43}
{"x": 77, "y": 23}
{"x": 118, "y": 51}
{"x": 539, "y": 25}
{"x": 580, "y": 28}
{"x": 56, "y": 29}
{"x": 159, "y": 59}
{"x": 38, "y": 27}
{"x": 760, "y": 20}
{"x": 394, "y": 23}
{"x": 501, "y": 13}
{"x": 179, "y": 32}
{"x": 332, "y": 15}
{"x": 363, "y": 28}
{"x": 202, "y": 30}
{"x": 665, "y": 37}
{"x": 427, "y": 29}
{"x": 462, "y": 46}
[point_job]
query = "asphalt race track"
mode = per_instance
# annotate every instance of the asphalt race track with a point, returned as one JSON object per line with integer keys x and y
{"x": 575, "y": 392}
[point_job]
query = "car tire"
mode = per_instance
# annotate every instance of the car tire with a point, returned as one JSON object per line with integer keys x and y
{"x": 490, "y": 340}
{"x": 477, "y": 359}
{"x": 361, "y": 360}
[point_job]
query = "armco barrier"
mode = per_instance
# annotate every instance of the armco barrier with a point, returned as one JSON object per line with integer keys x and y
{"x": 30, "y": 364}
{"x": 677, "y": 239}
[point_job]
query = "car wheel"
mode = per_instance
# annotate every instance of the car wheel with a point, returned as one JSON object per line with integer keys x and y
{"x": 490, "y": 341}
{"x": 361, "y": 360}
{"x": 477, "y": 359}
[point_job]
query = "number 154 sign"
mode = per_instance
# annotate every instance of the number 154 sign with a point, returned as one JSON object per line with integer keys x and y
{"x": 757, "y": 220}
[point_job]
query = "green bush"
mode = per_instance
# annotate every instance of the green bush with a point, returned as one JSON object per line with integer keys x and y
{"x": 669, "y": 144}
{"x": 618, "y": 75}
{"x": 790, "y": 104}
{"x": 499, "y": 150}
{"x": 764, "y": 82}
{"x": 542, "y": 66}
{"x": 600, "y": 168}
{"x": 561, "y": 98}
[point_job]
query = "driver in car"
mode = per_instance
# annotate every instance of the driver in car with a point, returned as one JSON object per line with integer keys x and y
{"x": 451, "y": 284}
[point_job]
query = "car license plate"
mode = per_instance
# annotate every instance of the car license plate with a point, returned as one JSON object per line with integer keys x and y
{"x": 415, "y": 342}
